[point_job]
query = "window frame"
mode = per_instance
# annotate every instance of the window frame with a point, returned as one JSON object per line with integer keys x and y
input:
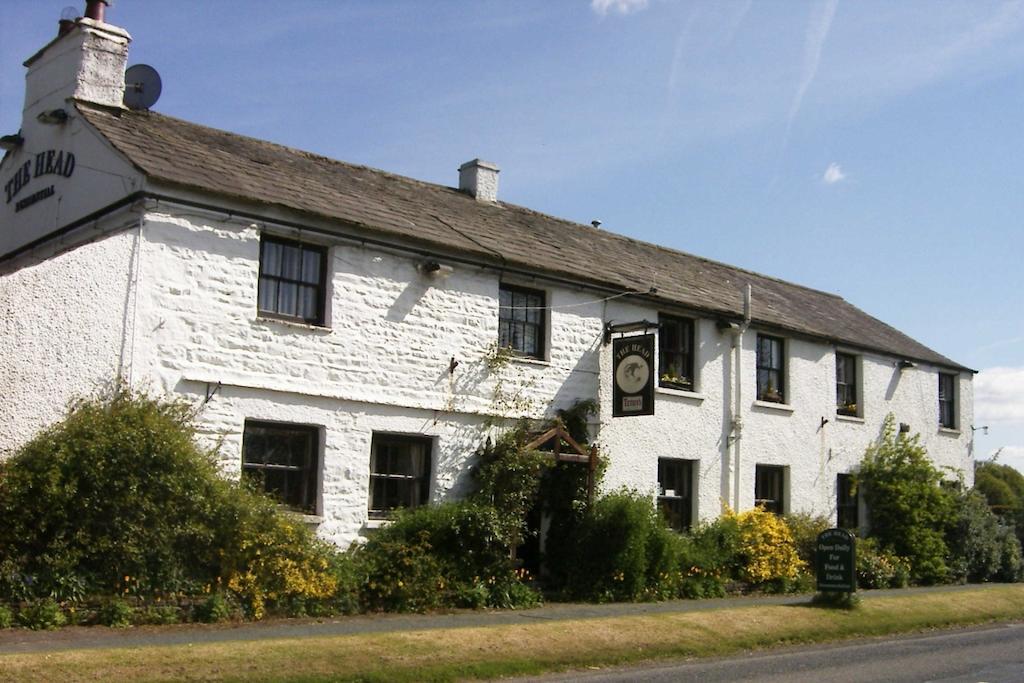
{"x": 763, "y": 474}
{"x": 848, "y": 388}
{"x": 321, "y": 285}
{"x": 769, "y": 369}
{"x": 677, "y": 509}
{"x": 847, "y": 504}
{"x": 309, "y": 472}
{"x": 947, "y": 402}
{"x": 423, "y": 481}
{"x": 506, "y": 316}
{"x": 686, "y": 335}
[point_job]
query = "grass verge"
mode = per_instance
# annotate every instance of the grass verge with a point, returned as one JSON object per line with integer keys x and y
{"x": 486, "y": 652}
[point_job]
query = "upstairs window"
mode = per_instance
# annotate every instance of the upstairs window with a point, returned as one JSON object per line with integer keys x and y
{"x": 769, "y": 488}
{"x": 846, "y": 384}
{"x": 675, "y": 346}
{"x": 521, "y": 320}
{"x": 292, "y": 280}
{"x": 283, "y": 461}
{"x": 947, "y": 400}
{"x": 399, "y": 473}
{"x": 675, "y": 492}
{"x": 846, "y": 503}
{"x": 770, "y": 369}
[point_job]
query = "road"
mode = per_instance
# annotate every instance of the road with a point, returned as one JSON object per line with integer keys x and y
{"x": 989, "y": 654}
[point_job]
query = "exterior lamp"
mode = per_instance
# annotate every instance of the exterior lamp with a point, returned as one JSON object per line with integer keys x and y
{"x": 435, "y": 269}
{"x": 53, "y": 117}
{"x": 11, "y": 142}
{"x": 905, "y": 364}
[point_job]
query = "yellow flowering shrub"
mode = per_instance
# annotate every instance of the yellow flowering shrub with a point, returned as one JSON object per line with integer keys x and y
{"x": 278, "y": 563}
{"x": 766, "y": 547}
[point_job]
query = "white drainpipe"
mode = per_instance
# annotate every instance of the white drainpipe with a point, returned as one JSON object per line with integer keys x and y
{"x": 736, "y": 414}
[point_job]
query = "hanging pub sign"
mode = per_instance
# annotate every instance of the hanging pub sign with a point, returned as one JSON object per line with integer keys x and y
{"x": 633, "y": 376}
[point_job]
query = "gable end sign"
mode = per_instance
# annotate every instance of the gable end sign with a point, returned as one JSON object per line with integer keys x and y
{"x": 633, "y": 376}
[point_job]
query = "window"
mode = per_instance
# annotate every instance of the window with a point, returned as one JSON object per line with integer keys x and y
{"x": 521, "y": 320}
{"x": 947, "y": 400}
{"x": 292, "y": 280}
{"x": 675, "y": 492}
{"x": 846, "y": 503}
{"x": 399, "y": 473}
{"x": 846, "y": 384}
{"x": 282, "y": 459}
{"x": 675, "y": 346}
{"x": 770, "y": 370}
{"x": 769, "y": 482}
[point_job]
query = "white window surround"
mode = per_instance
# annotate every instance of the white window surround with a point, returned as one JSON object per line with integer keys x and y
{"x": 780, "y": 407}
{"x": 692, "y": 395}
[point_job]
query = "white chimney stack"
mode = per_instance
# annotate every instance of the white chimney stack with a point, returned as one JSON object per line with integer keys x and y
{"x": 480, "y": 180}
{"x": 86, "y": 62}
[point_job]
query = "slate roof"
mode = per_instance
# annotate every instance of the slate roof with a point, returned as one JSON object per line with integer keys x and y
{"x": 404, "y": 210}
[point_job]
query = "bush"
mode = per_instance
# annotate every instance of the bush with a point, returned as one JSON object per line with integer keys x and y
{"x": 215, "y": 609}
{"x": 805, "y": 529}
{"x": 6, "y": 617}
{"x": 118, "y": 500}
{"x": 41, "y": 615}
{"x": 910, "y": 511}
{"x": 622, "y": 550}
{"x": 766, "y": 550}
{"x": 1011, "y": 563}
{"x": 709, "y": 558}
{"x": 507, "y": 477}
{"x": 975, "y": 541}
{"x": 116, "y": 613}
{"x": 880, "y": 568}
{"x": 452, "y": 554}
{"x": 160, "y": 614}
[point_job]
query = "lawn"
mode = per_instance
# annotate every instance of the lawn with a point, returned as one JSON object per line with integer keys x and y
{"x": 492, "y": 651}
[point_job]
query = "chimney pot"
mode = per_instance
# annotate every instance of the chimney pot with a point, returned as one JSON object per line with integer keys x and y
{"x": 480, "y": 180}
{"x": 95, "y": 9}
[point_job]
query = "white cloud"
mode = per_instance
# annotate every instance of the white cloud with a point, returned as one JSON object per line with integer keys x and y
{"x": 833, "y": 174}
{"x": 603, "y": 7}
{"x": 999, "y": 395}
{"x": 817, "y": 31}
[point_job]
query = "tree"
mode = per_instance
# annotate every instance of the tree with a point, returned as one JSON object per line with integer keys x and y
{"x": 909, "y": 510}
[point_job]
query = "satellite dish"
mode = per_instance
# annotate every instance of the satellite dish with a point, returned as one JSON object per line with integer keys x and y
{"x": 142, "y": 86}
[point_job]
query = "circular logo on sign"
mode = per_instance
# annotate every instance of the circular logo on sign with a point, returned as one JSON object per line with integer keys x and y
{"x": 632, "y": 374}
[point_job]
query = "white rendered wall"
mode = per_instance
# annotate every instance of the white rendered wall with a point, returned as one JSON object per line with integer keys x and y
{"x": 381, "y": 364}
{"x": 65, "y": 331}
{"x": 691, "y": 426}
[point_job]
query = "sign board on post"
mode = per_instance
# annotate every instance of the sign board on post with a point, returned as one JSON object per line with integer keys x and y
{"x": 836, "y": 561}
{"x": 633, "y": 376}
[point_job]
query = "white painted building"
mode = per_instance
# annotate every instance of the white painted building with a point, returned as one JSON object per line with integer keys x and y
{"x": 343, "y": 325}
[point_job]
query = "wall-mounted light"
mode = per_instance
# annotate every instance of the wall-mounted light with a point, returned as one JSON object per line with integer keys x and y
{"x": 983, "y": 428}
{"x": 53, "y": 117}
{"x": 905, "y": 364}
{"x": 11, "y": 142}
{"x": 433, "y": 268}
{"x": 904, "y": 428}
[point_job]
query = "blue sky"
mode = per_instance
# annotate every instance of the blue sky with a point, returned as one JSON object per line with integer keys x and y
{"x": 871, "y": 149}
